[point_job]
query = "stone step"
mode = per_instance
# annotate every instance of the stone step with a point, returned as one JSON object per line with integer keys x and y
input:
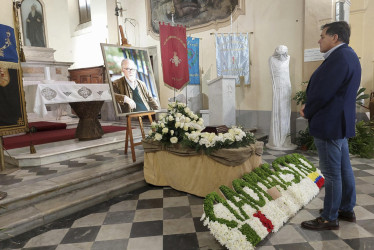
{"x": 69, "y": 181}
{"x": 65, "y": 150}
{"x": 50, "y": 205}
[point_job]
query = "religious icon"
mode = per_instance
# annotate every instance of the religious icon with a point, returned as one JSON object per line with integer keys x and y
{"x": 131, "y": 79}
{"x": 33, "y": 25}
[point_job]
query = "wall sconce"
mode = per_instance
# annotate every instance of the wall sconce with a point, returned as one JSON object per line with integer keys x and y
{"x": 118, "y": 10}
{"x": 342, "y": 8}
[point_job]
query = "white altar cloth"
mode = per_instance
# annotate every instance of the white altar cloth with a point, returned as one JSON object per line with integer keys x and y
{"x": 38, "y": 95}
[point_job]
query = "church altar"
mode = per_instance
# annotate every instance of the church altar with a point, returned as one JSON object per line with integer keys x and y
{"x": 197, "y": 173}
{"x": 38, "y": 95}
{"x": 85, "y": 99}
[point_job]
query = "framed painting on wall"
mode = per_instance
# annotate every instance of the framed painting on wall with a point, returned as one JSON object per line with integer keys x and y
{"x": 131, "y": 79}
{"x": 196, "y": 15}
{"x": 32, "y": 22}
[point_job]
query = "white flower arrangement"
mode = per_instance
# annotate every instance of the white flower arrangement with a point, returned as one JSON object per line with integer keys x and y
{"x": 181, "y": 125}
{"x": 243, "y": 223}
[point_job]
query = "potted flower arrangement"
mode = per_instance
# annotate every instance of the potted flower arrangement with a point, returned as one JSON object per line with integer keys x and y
{"x": 181, "y": 126}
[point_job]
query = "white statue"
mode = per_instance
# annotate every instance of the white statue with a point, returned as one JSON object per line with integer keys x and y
{"x": 279, "y": 137}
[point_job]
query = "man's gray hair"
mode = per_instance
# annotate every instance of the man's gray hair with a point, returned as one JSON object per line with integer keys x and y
{"x": 128, "y": 61}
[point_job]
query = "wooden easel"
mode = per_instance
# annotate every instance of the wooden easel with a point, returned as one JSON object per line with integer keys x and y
{"x": 129, "y": 135}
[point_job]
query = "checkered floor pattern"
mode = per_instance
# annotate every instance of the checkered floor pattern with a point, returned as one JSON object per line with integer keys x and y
{"x": 163, "y": 218}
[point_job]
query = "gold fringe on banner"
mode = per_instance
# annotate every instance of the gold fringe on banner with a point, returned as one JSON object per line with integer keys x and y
{"x": 17, "y": 31}
{"x": 9, "y": 65}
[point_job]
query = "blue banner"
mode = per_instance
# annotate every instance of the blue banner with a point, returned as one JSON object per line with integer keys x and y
{"x": 193, "y": 59}
{"x": 8, "y": 46}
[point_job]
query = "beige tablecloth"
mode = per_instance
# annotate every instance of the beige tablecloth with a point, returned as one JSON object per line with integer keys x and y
{"x": 196, "y": 174}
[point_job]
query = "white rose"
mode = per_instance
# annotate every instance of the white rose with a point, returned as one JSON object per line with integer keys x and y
{"x": 188, "y": 119}
{"x": 165, "y": 130}
{"x": 187, "y": 110}
{"x": 150, "y": 132}
{"x": 185, "y": 128}
{"x": 162, "y": 116}
{"x": 177, "y": 124}
{"x": 158, "y": 137}
{"x": 153, "y": 124}
{"x": 178, "y": 114}
{"x": 171, "y": 118}
{"x": 162, "y": 125}
{"x": 171, "y": 132}
{"x": 200, "y": 123}
{"x": 173, "y": 139}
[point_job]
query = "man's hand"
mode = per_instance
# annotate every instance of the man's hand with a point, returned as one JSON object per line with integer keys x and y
{"x": 302, "y": 110}
{"x": 130, "y": 102}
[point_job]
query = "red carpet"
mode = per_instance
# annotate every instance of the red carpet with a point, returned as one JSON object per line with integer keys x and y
{"x": 48, "y": 136}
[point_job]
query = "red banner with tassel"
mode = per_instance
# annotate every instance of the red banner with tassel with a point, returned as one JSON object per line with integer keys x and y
{"x": 174, "y": 57}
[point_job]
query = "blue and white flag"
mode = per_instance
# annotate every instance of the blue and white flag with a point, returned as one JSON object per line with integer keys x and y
{"x": 232, "y": 52}
{"x": 193, "y": 59}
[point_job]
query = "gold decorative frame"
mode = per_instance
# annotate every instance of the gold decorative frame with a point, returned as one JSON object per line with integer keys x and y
{"x": 15, "y": 116}
{"x": 168, "y": 6}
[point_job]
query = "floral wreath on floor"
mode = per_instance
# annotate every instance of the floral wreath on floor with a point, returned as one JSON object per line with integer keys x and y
{"x": 181, "y": 125}
{"x": 261, "y": 201}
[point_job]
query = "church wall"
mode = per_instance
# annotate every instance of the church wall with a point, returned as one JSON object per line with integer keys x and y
{"x": 6, "y": 14}
{"x": 361, "y": 21}
{"x": 270, "y": 23}
{"x": 85, "y": 39}
{"x": 270, "y": 26}
{"x": 57, "y": 29}
{"x": 367, "y": 57}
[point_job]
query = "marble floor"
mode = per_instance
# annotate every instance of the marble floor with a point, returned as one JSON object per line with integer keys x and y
{"x": 162, "y": 218}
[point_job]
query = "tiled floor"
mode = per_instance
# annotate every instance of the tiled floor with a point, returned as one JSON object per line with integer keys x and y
{"x": 163, "y": 218}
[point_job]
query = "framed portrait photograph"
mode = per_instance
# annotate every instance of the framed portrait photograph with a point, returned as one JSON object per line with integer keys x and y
{"x": 131, "y": 79}
{"x": 33, "y": 25}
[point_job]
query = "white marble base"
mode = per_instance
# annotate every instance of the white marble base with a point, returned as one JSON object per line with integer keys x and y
{"x": 301, "y": 124}
{"x": 205, "y": 115}
{"x": 222, "y": 101}
{"x": 290, "y": 147}
{"x": 39, "y": 53}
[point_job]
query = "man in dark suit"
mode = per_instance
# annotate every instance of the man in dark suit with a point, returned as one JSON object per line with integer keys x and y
{"x": 331, "y": 112}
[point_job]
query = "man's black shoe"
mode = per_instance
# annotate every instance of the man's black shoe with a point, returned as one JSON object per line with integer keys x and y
{"x": 320, "y": 224}
{"x": 347, "y": 216}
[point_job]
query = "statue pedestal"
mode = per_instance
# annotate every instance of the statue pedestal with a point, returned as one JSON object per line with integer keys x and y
{"x": 41, "y": 65}
{"x": 222, "y": 101}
